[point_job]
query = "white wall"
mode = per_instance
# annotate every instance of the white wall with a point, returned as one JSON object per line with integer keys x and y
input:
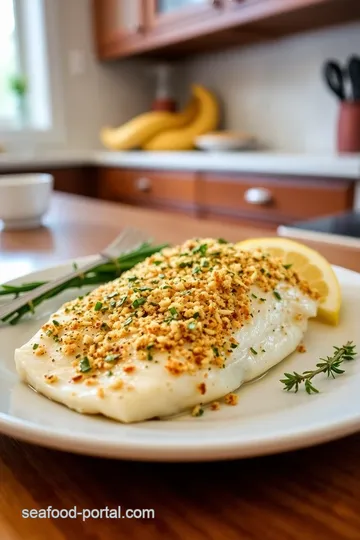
{"x": 104, "y": 93}
{"x": 275, "y": 90}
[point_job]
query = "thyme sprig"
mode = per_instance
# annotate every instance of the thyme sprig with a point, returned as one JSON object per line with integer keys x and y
{"x": 101, "y": 274}
{"x": 329, "y": 365}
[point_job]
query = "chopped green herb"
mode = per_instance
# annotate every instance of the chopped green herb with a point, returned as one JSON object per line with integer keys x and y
{"x": 143, "y": 289}
{"x": 122, "y": 301}
{"x": 196, "y": 315}
{"x": 98, "y": 306}
{"x": 222, "y": 241}
{"x": 80, "y": 297}
{"x": 196, "y": 270}
{"x": 154, "y": 304}
{"x": 277, "y": 295}
{"x": 262, "y": 270}
{"x": 85, "y": 365}
{"x": 166, "y": 287}
{"x": 187, "y": 264}
{"x": 49, "y": 333}
{"x": 192, "y": 325}
{"x": 111, "y": 358}
{"x": 287, "y": 266}
{"x": 216, "y": 351}
{"x": 105, "y": 326}
{"x": 113, "y": 304}
{"x": 234, "y": 345}
{"x": 199, "y": 412}
{"x": 253, "y": 351}
{"x": 254, "y": 296}
{"x": 138, "y": 302}
{"x": 149, "y": 354}
{"x": 157, "y": 263}
{"x": 132, "y": 278}
{"x": 110, "y": 374}
{"x": 173, "y": 311}
{"x": 112, "y": 295}
{"x": 55, "y": 322}
{"x": 128, "y": 321}
{"x": 161, "y": 276}
{"x": 200, "y": 249}
{"x": 262, "y": 299}
{"x": 205, "y": 263}
{"x": 35, "y": 346}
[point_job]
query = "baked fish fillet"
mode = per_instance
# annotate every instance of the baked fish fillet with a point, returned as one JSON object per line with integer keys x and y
{"x": 185, "y": 327}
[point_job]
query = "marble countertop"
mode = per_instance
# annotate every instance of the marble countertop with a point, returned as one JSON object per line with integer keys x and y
{"x": 344, "y": 166}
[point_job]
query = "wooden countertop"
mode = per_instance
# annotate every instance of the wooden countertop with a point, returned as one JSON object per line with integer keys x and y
{"x": 304, "y": 495}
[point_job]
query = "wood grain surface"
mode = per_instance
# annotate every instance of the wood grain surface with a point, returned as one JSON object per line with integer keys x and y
{"x": 311, "y": 494}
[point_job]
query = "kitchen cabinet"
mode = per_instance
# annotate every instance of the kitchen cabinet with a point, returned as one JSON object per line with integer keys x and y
{"x": 270, "y": 200}
{"x": 167, "y": 28}
{"x": 172, "y": 190}
{"x": 118, "y": 26}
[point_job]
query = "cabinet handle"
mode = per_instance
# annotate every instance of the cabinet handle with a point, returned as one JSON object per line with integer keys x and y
{"x": 143, "y": 184}
{"x": 258, "y": 196}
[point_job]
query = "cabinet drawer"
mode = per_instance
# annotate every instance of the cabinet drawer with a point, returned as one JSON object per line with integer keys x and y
{"x": 149, "y": 188}
{"x": 273, "y": 199}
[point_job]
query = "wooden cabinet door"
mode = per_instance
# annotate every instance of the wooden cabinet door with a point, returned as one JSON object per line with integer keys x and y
{"x": 118, "y": 25}
{"x": 181, "y": 18}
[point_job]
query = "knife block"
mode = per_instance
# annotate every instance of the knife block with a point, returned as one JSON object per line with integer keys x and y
{"x": 348, "y": 135}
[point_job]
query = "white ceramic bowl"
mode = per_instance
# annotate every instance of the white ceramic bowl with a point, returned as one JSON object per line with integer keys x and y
{"x": 216, "y": 143}
{"x": 24, "y": 199}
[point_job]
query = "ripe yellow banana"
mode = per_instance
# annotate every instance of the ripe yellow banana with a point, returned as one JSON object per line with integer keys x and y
{"x": 139, "y": 130}
{"x": 207, "y": 119}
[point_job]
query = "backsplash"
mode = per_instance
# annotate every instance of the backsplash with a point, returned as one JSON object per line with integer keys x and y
{"x": 275, "y": 90}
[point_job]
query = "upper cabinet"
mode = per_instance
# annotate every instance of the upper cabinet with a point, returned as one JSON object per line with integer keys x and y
{"x": 118, "y": 26}
{"x": 177, "y": 27}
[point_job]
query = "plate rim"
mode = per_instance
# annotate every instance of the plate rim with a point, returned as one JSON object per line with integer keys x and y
{"x": 171, "y": 451}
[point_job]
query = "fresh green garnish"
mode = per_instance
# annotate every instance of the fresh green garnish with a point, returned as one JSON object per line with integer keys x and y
{"x": 55, "y": 322}
{"x": 143, "y": 289}
{"x": 205, "y": 263}
{"x": 329, "y": 365}
{"x": 138, "y": 302}
{"x": 49, "y": 333}
{"x": 85, "y": 365}
{"x": 254, "y": 296}
{"x": 98, "y": 306}
{"x": 234, "y": 345}
{"x": 200, "y": 249}
{"x": 196, "y": 270}
{"x": 262, "y": 299}
{"x": 157, "y": 263}
{"x": 196, "y": 315}
{"x": 187, "y": 264}
{"x": 35, "y": 346}
{"x": 112, "y": 295}
{"x": 105, "y": 326}
{"x": 253, "y": 351}
{"x": 166, "y": 287}
{"x": 128, "y": 321}
{"x": 287, "y": 266}
{"x": 110, "y": 374}
{"x": 277, "y": 295}
{"x": 132, "y": 278}
{"x": 149, "y": 354}
{"x": 216, "y": 351}
{"x": 111, "y": 358}
{"x": 192, "y": 325}
{"x": 122, "y": 301}
{"x": 222, "y": 241}
{"x": 173, "y": 312}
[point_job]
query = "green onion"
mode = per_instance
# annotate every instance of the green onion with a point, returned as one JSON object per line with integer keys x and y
{"x": 35, "y": 346}
{"x": 234, "y": 345}
{"x": 98, "y": 306}
{"x": 196, "y": 315}
{"x": 287, "y": 266}
{"x": 138, "y": 302}
{"x": 216, "y": 351}
{"x": 173, "y": 311}
{"x": 196, "y": 270}
{"x": 157, "y": 263}
{"x": 192, "y": 325}
{"x": 222, "y": 241}
{"x": 277, "y": 295}
{"x": 254, "y": 296}
{"x": 253, "y": 351}
{"x": 111, "y": 357}
{"x": 122, "y": 301}
{"x": 133, "y": 278}
{"x": 128, "y": 321}
{"x": 85, "y": 365}
{"x": 55, "y": 323}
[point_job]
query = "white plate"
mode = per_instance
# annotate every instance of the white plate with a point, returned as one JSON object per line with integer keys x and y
{"x": 265, "y": 421}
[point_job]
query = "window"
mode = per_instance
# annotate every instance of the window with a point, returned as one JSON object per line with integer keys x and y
{"x": 25, "y": 103}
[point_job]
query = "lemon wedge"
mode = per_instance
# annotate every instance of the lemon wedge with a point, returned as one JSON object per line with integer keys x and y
{"x": 311, "y": 266}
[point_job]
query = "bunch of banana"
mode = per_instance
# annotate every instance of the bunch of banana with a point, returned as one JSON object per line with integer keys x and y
{"x": 205, "y": 120}
{"x": 160, "y": 130}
